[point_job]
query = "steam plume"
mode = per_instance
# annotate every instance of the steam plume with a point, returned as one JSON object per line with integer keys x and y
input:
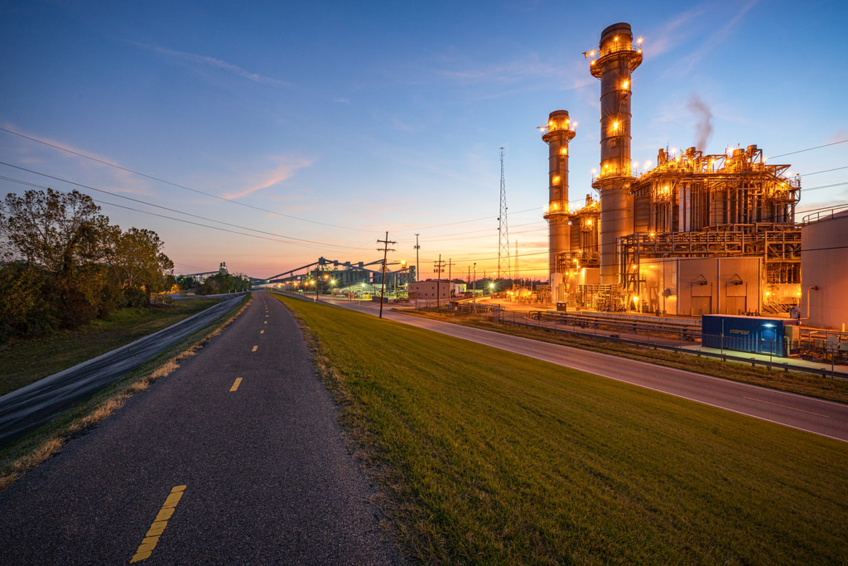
{"x": 703, "y": 128}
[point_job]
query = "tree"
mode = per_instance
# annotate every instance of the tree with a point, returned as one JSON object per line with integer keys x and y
{"x": 62, "y": 263}
{"x": 65, "y": 234}
{"x": 139, "y": 265}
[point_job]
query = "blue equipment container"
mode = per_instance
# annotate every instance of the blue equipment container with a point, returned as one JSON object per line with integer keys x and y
{"x": 755, "y": 334}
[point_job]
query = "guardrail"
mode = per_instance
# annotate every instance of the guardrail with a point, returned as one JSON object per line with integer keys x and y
{"x": 724, "y": 356}
{"x": 681, "y": 331}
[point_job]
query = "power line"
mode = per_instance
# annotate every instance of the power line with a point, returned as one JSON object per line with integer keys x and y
{"x": 179, "y": 186}
{"x": 210, "y": 195}
{"x": 808, "y": 149}
{"x": 823, "y": 171}
{"x": 282, "y": 236}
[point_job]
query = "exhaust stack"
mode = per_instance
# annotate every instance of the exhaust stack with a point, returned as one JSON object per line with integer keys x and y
{"x": 613, "y": 63}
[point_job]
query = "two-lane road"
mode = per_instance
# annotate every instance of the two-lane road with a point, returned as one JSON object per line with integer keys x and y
{"x": 235, "y": 458}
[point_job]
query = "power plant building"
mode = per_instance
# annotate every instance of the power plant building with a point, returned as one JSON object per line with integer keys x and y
{"x": 698, "y": 234}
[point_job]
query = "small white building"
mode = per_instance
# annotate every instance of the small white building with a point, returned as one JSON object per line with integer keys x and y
{"x": 427, "y": 290}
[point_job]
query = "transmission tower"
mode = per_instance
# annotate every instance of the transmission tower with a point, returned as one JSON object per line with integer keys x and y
{"x": 503, "y": 231}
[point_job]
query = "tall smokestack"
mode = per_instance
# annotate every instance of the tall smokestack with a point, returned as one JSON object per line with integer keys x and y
{"x": 557, "y": 136}
{"x": 616, "y": 59}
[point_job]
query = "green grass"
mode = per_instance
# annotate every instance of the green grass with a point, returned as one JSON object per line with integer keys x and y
{"x": 24, "y": 361}
{"x": 489, "y": 457}
{"x": 792, "y": 382}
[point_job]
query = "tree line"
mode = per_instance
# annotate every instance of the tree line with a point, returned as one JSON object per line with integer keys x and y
{"x": 215, "y": 284}
{"x": 62, "y": 264}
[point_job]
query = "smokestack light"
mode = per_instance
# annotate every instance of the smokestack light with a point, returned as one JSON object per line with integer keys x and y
{"x": 564, "y": 151}
{"x": 615, "y": 126}
{"x": 625, "y": 85}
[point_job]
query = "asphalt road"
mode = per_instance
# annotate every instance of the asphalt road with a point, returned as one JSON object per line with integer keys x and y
{"x": 29, "y": 407}
{"x": 797, "y": 411}
{"x": 235, "y": 458}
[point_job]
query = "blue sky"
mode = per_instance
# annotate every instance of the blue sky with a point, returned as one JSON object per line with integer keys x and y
{"x": 325, "y": 124}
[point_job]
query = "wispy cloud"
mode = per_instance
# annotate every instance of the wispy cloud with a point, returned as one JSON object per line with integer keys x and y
{"x": 717, "y": 37}
{"x": 286, "y": 167}
{"x": 98, "y": 170}
{"x": 503, "y": 72}
{"x": 214, "y": 63}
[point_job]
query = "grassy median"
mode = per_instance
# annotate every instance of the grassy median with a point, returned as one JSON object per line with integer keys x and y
{"x": 791, "y": 382}
{"x": 25, "y": 361}
{"x": 490, "y": 457}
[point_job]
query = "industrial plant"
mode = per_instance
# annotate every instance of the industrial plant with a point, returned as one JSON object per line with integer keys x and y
{"x": 697, "y": 234}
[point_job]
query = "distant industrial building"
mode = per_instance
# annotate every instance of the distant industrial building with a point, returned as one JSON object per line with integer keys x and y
{"x": 697, "y": 234}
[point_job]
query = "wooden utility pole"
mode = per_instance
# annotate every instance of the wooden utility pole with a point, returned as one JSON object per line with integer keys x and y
{"x": 450, "y": 282}
{"x": 417, "y": 269}
{"x": 385, "y": 250}
{"x": 438, "y": 268}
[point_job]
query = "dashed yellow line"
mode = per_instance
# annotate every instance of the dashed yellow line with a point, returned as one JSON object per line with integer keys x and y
{"x": 145, "y": 549}
{"x": 255, "y": 348}
{"x": 235, "y": 384}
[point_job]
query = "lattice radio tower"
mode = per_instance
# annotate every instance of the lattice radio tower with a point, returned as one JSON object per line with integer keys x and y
{"x": 503, "y": 231}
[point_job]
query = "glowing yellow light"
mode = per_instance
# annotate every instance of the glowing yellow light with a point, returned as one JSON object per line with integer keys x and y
{"x": 625, "y": 84}
{"x": 564, "y": 151}
{"x": 615, "y": 126}
{"x": 615, "y": 38}
{"x": 639, "y": 40}
{"x": 550, "y": 122}
{"x": 652, "y": 235}
{"x": 635, "y": 266}
{"x": 589, "y": 222}
{"x": 555, "y": 179}
{"x": 594, "y": 171}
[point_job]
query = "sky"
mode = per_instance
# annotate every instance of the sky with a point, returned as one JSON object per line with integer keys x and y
{"x": 268, "y": 134}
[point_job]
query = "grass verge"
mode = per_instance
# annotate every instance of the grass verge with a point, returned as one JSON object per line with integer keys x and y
{"x": 792, "y": 382}
{"x": 29, "y": 452}
{"x": 490, "y": 457}
{"x": 25, "y": 361}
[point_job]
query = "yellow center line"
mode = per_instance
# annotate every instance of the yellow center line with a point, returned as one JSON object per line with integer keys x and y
{"x": 145, "y": 549}
{"x": 235, "y": 384}
{"x": 255, "y": 348}
{"x": 786, "y": 407}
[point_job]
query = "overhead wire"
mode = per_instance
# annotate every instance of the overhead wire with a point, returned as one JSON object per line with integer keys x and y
{"x": 281, "y": 237}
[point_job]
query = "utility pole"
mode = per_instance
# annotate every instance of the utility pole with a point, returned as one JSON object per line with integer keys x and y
{"x": 417, "y": 247}
{"x": 450, "y": 283}
{"x": 385, "y": 250}
{"x": 438, "y": 268}
{"x": 516, "y": 261}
